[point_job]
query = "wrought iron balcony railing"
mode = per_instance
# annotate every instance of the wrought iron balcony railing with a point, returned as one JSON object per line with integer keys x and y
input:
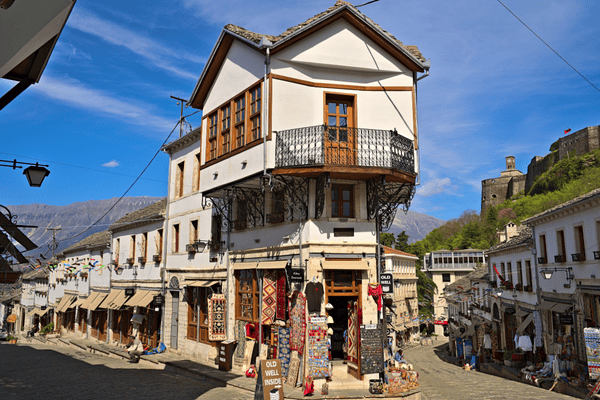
{"x": 326, "y": 145}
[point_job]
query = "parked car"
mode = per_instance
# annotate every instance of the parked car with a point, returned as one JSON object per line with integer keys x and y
{"x": 3, "y": 334}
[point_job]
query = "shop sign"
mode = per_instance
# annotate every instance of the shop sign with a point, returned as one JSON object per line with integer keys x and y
{"x": 43, "y": 308}
{"x": 158, "y": 300}
{"x": 510, "y": 311}
{"x": 297, "y": 275}
{"x": 566, "y": 319}
{"x": 129, "y": 291}
{"x": 387, "y": 283}
{"x": 12, "y": 318}
{"x": 269, "y": 385}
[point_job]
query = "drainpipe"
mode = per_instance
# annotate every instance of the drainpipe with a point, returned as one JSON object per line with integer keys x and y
{"x": 163, "y": 267}
{"x": 229, "y": 277}
{"x": 265, "y": 128}
{"x": 538, "y": 291}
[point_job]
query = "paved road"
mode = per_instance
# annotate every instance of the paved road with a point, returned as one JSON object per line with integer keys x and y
{"x": 444, "y": 381}
{"x": 37, "y": 371}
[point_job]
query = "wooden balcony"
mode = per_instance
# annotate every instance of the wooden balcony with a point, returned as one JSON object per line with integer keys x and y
{"x": 345, "y": 152}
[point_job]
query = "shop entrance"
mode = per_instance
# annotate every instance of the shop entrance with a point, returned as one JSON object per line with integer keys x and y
{"x": 339, "y": 313}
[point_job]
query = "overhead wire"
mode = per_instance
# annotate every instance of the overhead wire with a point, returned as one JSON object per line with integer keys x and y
{"x": 550, "y": 47}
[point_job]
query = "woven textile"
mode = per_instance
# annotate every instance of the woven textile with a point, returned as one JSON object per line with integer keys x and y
{"x": 318, "y": 348}
{"x": 240, "y": 337}
{"x": 292, "y": 377}
{"x": 281, "y": 299}
{"x": 217, "y": 307}
{"x": 273, "y": 348}
{"x": 352, "y": 333}
{"x": 297, "y": 309}
{"x": 284, "y": 350}
{"x": 269, "y": 302}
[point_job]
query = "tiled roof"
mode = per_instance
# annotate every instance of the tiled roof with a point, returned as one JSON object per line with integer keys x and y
{"x": 140, "y": 215}
{"x": 465, "y": 281}
{"x": 256, "y": 37}
{"x": 523, "y": 237}
{"x": 394, "y": 251}
{"x": 95, "y": 240}
{"x": 566, "y": 204}
{"x": 36, "y": 274}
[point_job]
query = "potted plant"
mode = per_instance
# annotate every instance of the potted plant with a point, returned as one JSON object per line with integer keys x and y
{"x": 508, "y": 356}
{"x": 12, "y": 339}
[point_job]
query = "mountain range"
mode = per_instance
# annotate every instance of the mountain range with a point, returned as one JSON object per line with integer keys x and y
{"x": 75, "y": 218}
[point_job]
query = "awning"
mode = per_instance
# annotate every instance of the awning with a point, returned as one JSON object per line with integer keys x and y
{"x": 30, "y": 313}
{"x": 88, "y": 301}
{"x": 546, "y": 305}
{"x": 148, "y": 298}
{"x": 561, "y": 307}
{"x": 65, "y": 302}
{"x": 245, "y": 265}
{"x": 521, "y": 313}
{"x": 111, "y": 296}
{"x": 96, "y": 302}
{"x": 139, "y": 295}
{"x": 272, "y": 264}
{"x": 350, "y": 264}
{"x": 524, "y": 324}
{"x": 142, "y": 298}
{"x": 41, "y": 312}
{"x": 118, "y": 300}
{"x": 78, "y": 302}
{"x": 201, "y": 283}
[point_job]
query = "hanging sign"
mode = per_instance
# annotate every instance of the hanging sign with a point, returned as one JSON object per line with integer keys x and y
{"x": 387, "y": 283}
{"x": 297, "y": 275}
{"x": 510, "y": 311}
{"x": 129, "y": 291}
{"x": 269, "y": 384}
{"x": 566, "y": 319}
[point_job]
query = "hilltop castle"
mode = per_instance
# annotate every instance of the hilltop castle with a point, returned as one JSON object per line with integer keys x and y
{"x": 512, "y": 181}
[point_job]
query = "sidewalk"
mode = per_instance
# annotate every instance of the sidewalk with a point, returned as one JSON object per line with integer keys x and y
{"x": 198, "y": 370}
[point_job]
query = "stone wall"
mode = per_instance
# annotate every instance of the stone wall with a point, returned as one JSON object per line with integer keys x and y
{"x": 493, "y": 192}
{"x": 581, "y": 142}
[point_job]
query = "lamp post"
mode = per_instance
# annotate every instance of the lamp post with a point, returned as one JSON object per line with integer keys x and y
{"x": 35, "y": 173}
{"x": 548, "y": 272}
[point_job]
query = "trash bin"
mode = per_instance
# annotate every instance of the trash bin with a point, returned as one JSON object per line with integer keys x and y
{"x": 226, "y": 355}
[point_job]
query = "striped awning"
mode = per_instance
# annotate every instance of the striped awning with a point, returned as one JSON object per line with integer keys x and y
{"x": 147, "y": 298}
{"x": 65, "y": 302}
{"x": 118, "y": 301}
{"x": 142, "y": 298}
{"x": 78, "y": 302}
{"x": 30, "y": 313}
{"x": 96, "y": 302}
{"x": 272, "y": 264}
{"x": 245, "y": 265}
{"x": 351, "y": 264}
{"x": 41, "y": 312}
{"x": 87, "y": 302}
{"x": 203, "y": 283}
{"x": 109, "y": 298}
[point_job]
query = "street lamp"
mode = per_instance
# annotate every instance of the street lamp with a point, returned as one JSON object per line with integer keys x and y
{"x": 548, "y": 272}
{"x": 35, "y": 174}
{"x": 499, "y": 291}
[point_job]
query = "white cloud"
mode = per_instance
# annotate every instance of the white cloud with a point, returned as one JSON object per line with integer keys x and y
{"x": 434, "y": 186}
{"x": 73, "y": 92}
{"x": 161, "y": 56}
{"x": 111, "y": 164}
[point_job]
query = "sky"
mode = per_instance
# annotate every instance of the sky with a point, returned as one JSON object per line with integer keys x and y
{"x": 102, "y": 108}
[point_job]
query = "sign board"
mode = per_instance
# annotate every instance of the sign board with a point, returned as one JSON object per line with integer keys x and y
{"x": 297, "y": 275}
{"x": 158, "y": 299}
{"x": 269, "y": 384}
{"x": 12, "y": 318}
{"x": 387, "y": 283}
{"x": 566, "y": 319}
{"x": 129, "y": 291}
{"x": 510, "y": 311}
{"x": 371, "y": 349}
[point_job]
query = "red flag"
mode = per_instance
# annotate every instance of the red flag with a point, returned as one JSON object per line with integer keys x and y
{"x": 567, "y": 131}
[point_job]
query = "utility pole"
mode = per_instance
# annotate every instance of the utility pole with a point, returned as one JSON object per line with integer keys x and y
{"x": 54, "y": 245}
{"x": 180, "y": 101}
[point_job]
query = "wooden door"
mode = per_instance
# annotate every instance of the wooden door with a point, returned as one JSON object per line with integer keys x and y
{"x": 174, "y": 318}
{"x": 340, "y": 135}
{"x": 102, "y": 321}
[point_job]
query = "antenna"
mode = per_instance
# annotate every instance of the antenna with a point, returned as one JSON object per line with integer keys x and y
{"x": 182, "y": 120}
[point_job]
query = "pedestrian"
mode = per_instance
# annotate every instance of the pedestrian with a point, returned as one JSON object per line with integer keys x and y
{"x": 135, "y": 349}
{"x": 399, "y": 357}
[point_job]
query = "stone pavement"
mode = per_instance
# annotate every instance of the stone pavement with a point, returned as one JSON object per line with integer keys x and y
{"x": 444, "y": 381}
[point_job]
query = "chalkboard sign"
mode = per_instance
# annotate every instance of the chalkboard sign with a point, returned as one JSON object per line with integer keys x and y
{"x": 566, "y": 319}
{"x": 371, "y": 349}
{"x": 387, "y": 284}
{"x": 297, "y": 275}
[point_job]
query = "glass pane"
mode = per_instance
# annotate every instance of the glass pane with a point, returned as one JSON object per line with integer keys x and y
{"x": 342, "y": 278}
{"x": 346, "y": 194}
{"x": 343, "y": 121}
{"x": 334, "y": 209}
{"x": 346, "y": 210}
{"x": 343, "y": 108}
{"x": 332, "y": 134}
{"x": 343, "y": 135}
{"x": 334, "y": 194}
{"x": 331, "y": 107}
{"x": 332, "y": 121}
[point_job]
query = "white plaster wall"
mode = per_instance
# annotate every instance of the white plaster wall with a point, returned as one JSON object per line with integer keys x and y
{"x": 148, "y": 271}
{"x": 522, "y": 256}
{"x": 188, "y": 156}
{"x": 27, "y": 294}
{"x": 233, "y": 168}
{"x": 584, "y": 270}
{"x": 242, "y": 67}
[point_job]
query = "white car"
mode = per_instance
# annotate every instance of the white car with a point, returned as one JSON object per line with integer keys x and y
{"x": 3, "y": 334}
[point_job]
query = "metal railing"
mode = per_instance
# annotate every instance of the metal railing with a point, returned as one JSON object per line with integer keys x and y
{"x": 325, "y": 145}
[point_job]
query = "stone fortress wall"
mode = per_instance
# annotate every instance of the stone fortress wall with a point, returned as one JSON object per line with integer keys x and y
{"x": 512, "y": 181}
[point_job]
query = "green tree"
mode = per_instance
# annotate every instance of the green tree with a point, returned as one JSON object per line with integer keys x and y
{"x": 387, "y": 239}
{"x": 402, "y": 242}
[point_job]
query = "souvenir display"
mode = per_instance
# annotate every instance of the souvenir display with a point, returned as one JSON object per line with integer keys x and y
{"x": 318, "y": 348}
{"x": 371, "y": 349}
{"x": 297, "y": 307}
{"x": 240, "y": 337}
{"x": 281, "y": 298}
{"x": 592, "y": 345}
{"x": 284, "y": 350}
{"x": 269, "y": 301}
{"x": 314, "y": 296}
{"x": 352, "y": 333}
{"x": 292, "y": 376}
{"x": 217, "y": 307}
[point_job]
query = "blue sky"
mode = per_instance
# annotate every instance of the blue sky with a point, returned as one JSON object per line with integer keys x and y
{"x": 102, "y": 108}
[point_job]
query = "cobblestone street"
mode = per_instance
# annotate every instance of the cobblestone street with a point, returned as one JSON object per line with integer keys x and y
{"x": 443, "y": 381}
{"x": 37, "y": 371}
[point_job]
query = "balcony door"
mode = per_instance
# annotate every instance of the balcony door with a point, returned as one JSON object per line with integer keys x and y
{"x": 340, "y": 137}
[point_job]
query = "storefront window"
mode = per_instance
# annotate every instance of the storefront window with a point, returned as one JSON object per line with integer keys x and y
{"x": 197, "y": 299}
{"x": 247, "y": 296}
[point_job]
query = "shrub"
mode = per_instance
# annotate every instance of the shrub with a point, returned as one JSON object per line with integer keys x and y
{"x": 48, "y": 328}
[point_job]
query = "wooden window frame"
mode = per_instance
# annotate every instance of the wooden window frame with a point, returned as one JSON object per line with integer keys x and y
{"x": 193, "y": 231}
{"x": 255, "y": 100}
{"x": 179, "y": 179}
{"x": 509, "y": 272}
{"x": 240, "y": 120}
{"x": 132, "y": 247}
{"x": 543, "y": 248}
{"x": 160, "y": 233}
{"x": 225, "y": 130}
{"x": 254, "y": 295}
{"x": 176, "y": 238}
{"x": 340, "y": 203}
{"x": 579, "y": 240}
{"x": 196, "y": 178}
{"x": 212, "y": 135}
{"x": 144, "y": 249}
{"x": 520, "y": 273}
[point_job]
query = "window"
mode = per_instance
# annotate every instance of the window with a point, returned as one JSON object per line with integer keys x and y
{"x": 543, "y": 259}
{"x": 241, "y": 214}
{"x": 212, "y": 136}
{"x": 216, "y": 224}
{"x": 132, "y": 247}
{"x": 337, "y": 116}
{"x": 246, "y": 304}
{"x": 519, "y": 274}
{"x": 226, "y": 129}
{"x": 117, "y": 251}
{"x": 579, "y": 244}
{"x": 560, "y": 246}
{"x": 528, "y": 275}
{"x": 196, "y": 182}
{"x": 509, "y": 274}
{"x": 179, "y": 180}
{"x": 255, "y": 103}
{"x": 176, "y": 238}
{"x": 240, "y": 120}
{"x": 193, "y": 231}
{"x": 197, "y": 299}
{"x": 277, "y": 206}
{"x": 159, "y": 243}
{"x": 342, "y": 202}
{"x": 144, "y": 249}
{"x": 445, "y": 277}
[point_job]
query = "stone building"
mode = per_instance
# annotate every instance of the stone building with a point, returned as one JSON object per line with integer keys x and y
{"x": 496, "y": 190}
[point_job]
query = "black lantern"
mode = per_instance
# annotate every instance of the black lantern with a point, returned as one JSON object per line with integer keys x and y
{"x": 36, "y": 175}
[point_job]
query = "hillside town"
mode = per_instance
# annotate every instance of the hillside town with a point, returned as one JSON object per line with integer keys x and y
{"x": 267, "y": 270}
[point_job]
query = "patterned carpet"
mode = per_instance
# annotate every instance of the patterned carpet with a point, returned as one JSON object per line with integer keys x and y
{"x": 352, "y": 333}
{"x": 292, "y": 377}
{"x": 297, "y": 307}
{"x": 284, "y": 350}
{"x": 217, "y": 308}
{"x": 281, "y": 299}
{"x": 240, "y": 337}
{"x": 269, "y": 302}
